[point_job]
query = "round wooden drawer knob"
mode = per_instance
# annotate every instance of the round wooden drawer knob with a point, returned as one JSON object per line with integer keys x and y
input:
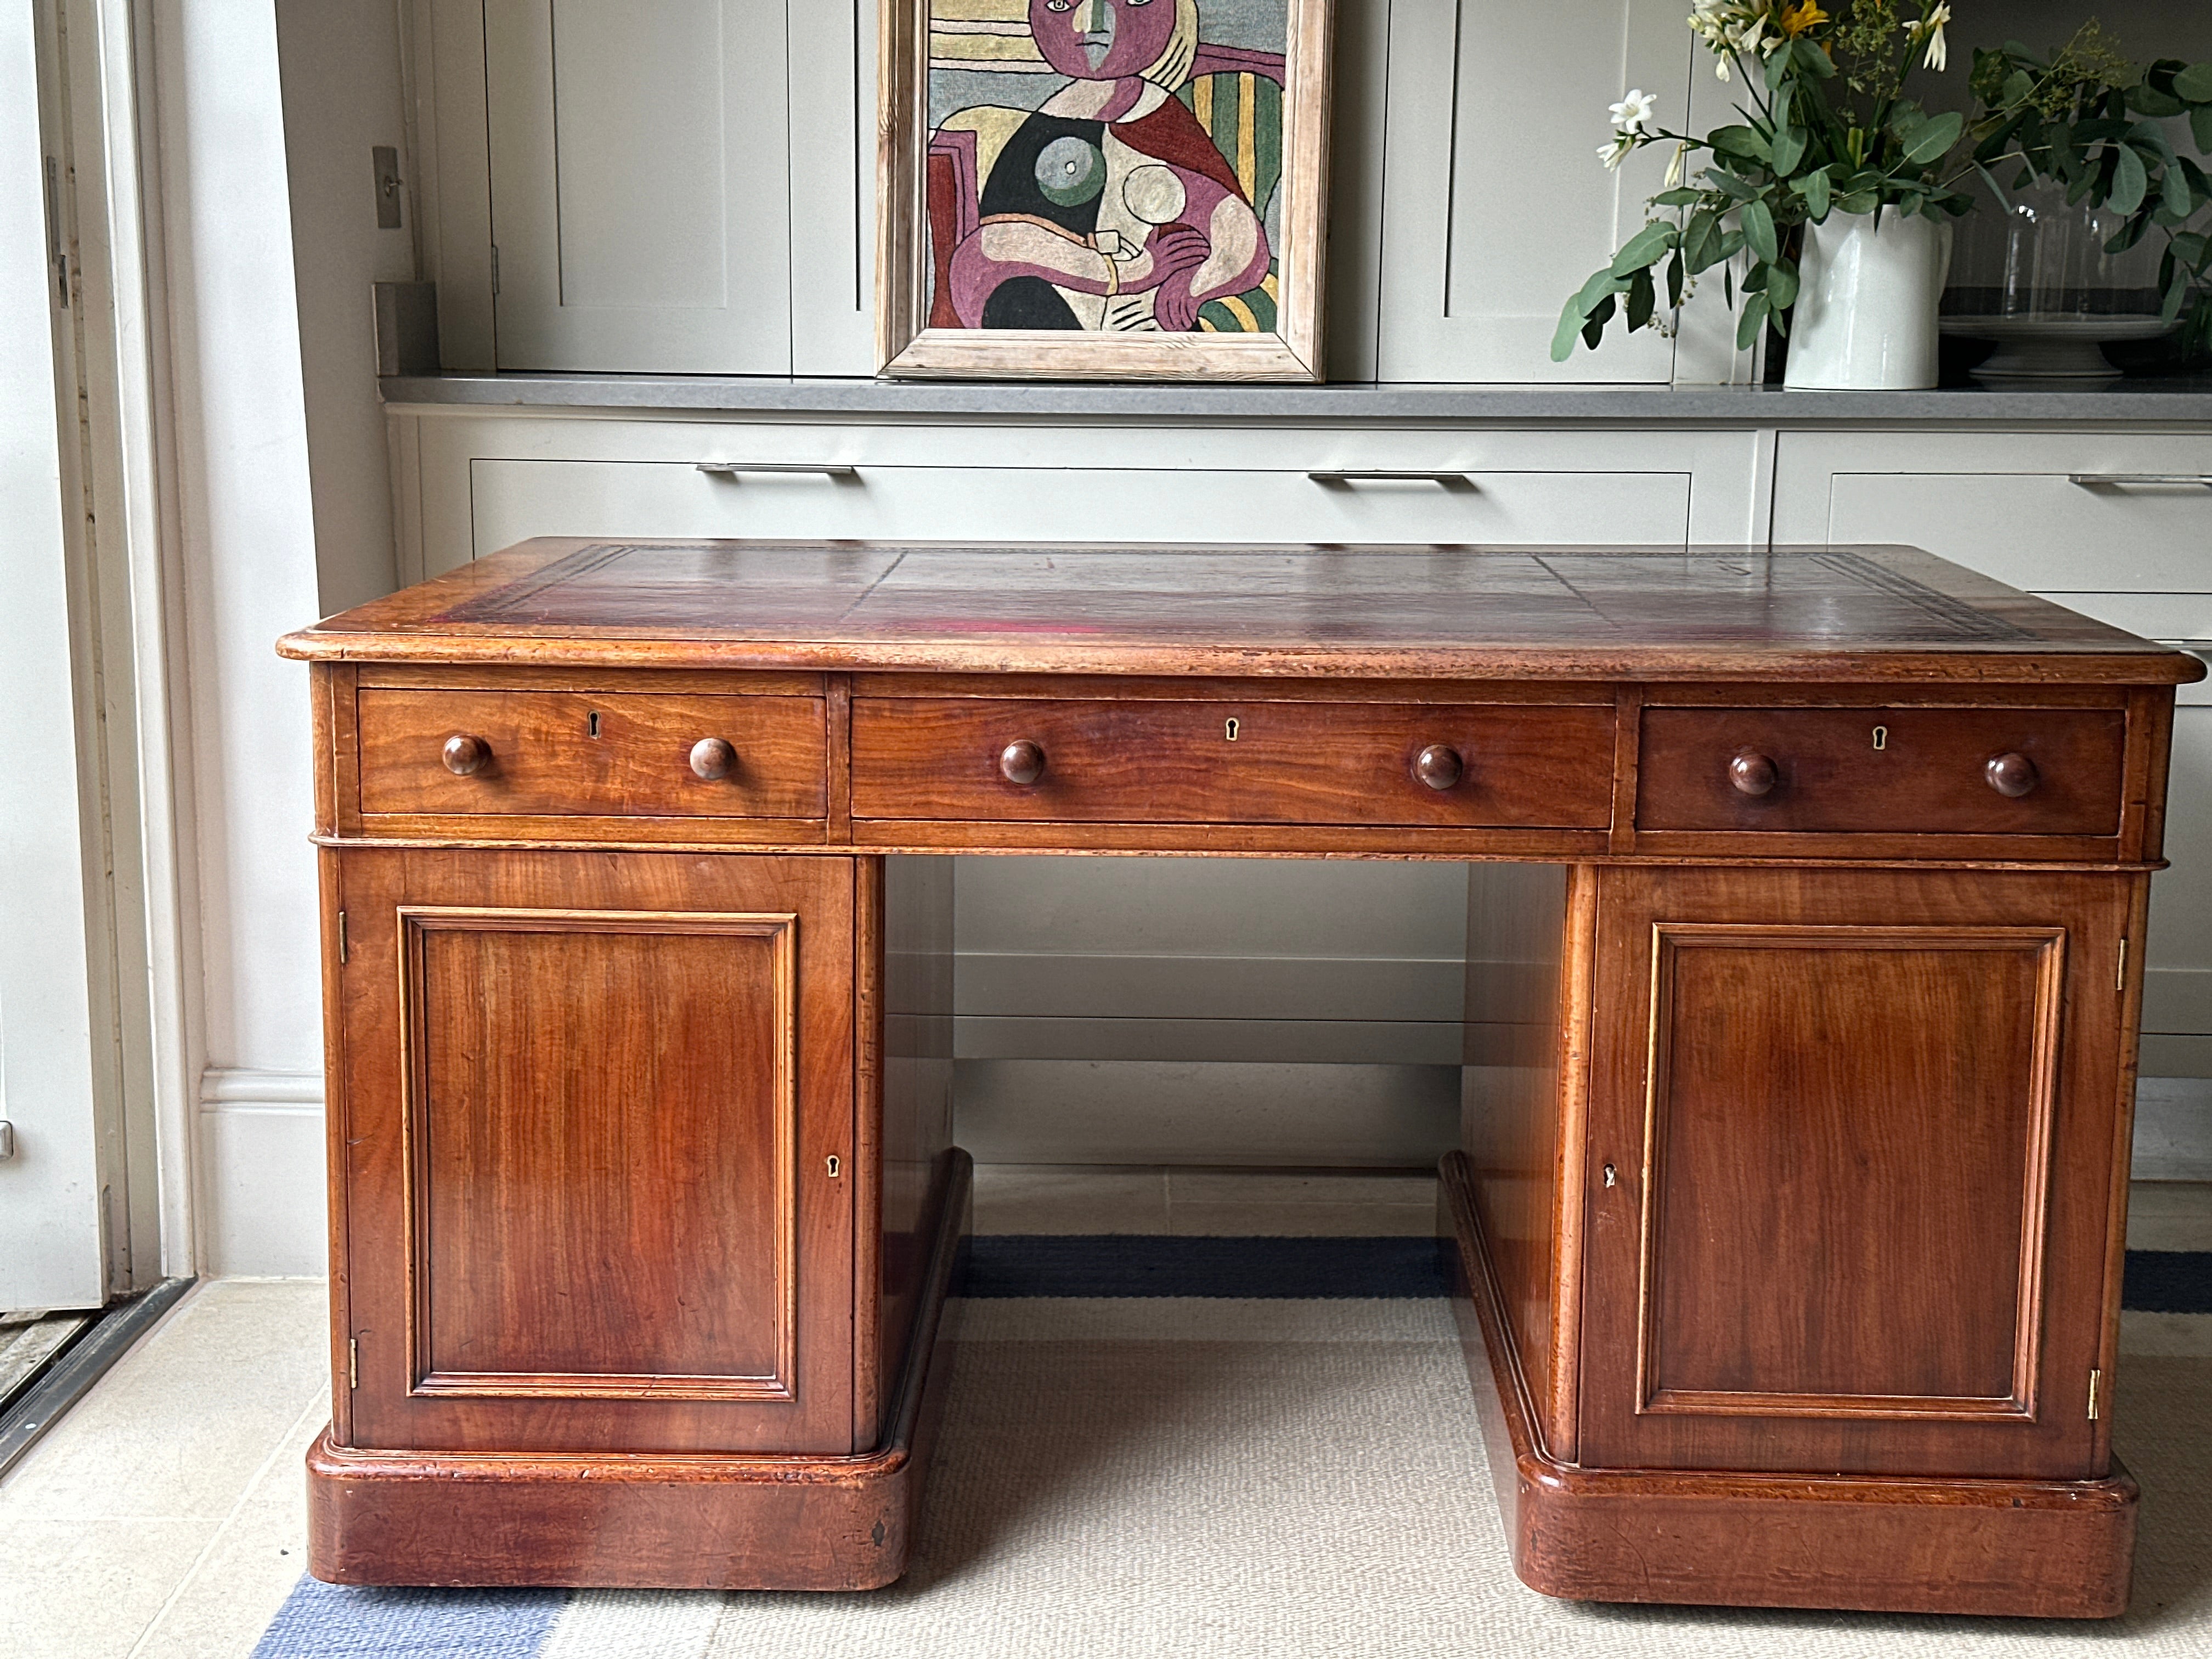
{"x": 1021, "y": 761}
{"x": 2011, "y": 774}
{"x": 713, "y": 758}
{"x": 464, "y": 754}
{"x": 1753, "y": 775}
{"x": 1439, "y": 766}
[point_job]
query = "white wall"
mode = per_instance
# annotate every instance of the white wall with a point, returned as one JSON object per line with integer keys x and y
{"x": 246, "y": 537}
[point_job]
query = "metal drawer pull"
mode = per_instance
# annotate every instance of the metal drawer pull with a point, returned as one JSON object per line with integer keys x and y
{"x": 1448, "y": 480}
{"x": 464, "y": 754}
{"x": 2122, "y": 480}
{"x": 714, "y": 759}
{"x": 2011, "y": 775}
{"x": 738, "y": 469}
{"x": 1439, "y": 766}
{"x": 1022, "y": 762}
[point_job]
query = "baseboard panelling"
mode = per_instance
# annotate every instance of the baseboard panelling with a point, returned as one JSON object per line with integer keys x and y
{"x": 261, "y": 1205}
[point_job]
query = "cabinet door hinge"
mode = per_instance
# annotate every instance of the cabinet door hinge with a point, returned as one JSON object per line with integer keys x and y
{"x": 2096, "y": 1379}
{"x": 353, "y": 1365}
{"x": 344, "y": 949}
{"x": 2120, "y": 978}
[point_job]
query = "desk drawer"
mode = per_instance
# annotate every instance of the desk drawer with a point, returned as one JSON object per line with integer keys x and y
{"x": 1139, "y": 762}
{"x": 591, "y": 754}
{"x": 1928, "y": 775}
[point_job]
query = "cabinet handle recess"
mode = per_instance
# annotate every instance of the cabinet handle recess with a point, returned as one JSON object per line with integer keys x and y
{"x": 1448, "y": 480}
{"x": 2122, "y": 480}
{"x": 738, "y": 469}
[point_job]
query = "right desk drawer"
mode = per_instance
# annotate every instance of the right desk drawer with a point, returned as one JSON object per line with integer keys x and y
{"x": 1896, "y": 771}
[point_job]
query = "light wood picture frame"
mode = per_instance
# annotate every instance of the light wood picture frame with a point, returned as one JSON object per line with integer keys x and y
{"x": 1102, "y": 190}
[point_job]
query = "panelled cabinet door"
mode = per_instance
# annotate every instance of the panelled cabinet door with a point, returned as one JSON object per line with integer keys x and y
{"x": 1861, "y": 1132}
{"x": 640, "y": 185}
{"x": 1495, "y": 208}
{"x": 589, "y": 1102}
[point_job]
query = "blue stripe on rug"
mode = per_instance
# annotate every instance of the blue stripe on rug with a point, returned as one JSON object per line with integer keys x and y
{"x": 2168, "y": 1281}
{"x": 341, "y": 1621}
{"x": 1124, "y": 1265}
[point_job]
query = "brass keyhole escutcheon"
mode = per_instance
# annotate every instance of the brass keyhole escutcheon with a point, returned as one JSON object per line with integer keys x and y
{"x": 835, "y": 1166}
{"x": 593, "y": 724}
{"x": 1229, "y": 728}
{"x": 1881, "y": 737}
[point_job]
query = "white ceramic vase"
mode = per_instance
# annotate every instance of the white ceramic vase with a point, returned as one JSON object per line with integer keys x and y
{"x": 1865, "y": 316}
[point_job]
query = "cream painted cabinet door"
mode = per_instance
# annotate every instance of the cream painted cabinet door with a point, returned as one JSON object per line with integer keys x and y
{"x": 640, "y": 194}
{"x": 1495, "y": 208}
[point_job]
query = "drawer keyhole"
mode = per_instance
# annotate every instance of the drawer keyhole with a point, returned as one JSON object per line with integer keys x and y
{"x": 595, "y": 724}
{"x": 1229, "y": 728}
{"x": 1881, "y": 737}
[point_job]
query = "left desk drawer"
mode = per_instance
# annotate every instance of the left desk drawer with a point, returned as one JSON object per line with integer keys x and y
{"x": 586, "y": 754}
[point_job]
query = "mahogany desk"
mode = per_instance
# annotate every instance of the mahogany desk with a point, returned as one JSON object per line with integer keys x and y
{"x": 1806, "y": 953}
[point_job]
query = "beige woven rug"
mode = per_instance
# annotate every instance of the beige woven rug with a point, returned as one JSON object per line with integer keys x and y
{"x": 1199, "y": 1477}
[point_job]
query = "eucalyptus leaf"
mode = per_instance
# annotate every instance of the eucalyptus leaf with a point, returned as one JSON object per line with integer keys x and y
{"x": 1600, "y": 284}
{"x": 1701, "y": 241}
{"x": 1858, "y": 201}
{"x": 1996, "y": 188}
{"x": 1812, "y": 60}
{"x": 2194, "y": 84}
{"x": 1594, "y": 330}
{"x": 2177, "y": 295}
{"x": 1741, "y": 141}
{"x": 2147, "y": 100}
{"x": 2019, "y": 86}
{"x": 1789, "y": 149}
{"x": 1563, "y": 341}
{"x": 2200, "y": 126}
{"x": 1782, "y": 286}
{"x": 1759, "y": 232}
{"x": 1674, "y": 275}
{"x": 2176, "y": 196}
{"x": 1643, "y": 300}
{"x": 1814, "y": 186}
{"x": 1645, "y": 248}
{"x": 1753, "y": 319}
{"x": 1932, "y": 139}
{"x": 1677, "y": 198}
{"x": 2130, "y": 182}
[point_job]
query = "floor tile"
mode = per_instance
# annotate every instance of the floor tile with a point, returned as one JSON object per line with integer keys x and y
{"x": 1308, "y": 1220}
{"x": 2169, "y": 1215}
{"x": 250, "y": 1564}
{"x": 86, "y": 1590}
{"x": 1030, "y": 1198}
{"x": 182, "y": 1426}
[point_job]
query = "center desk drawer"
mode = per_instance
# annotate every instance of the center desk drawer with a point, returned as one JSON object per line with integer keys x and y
{"x": 1897, "y": 771}
{"x": 1138, "y": 761}
{"x": 592, "y": 754}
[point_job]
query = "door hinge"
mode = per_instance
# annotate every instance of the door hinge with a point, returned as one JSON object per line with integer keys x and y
{"x": 353, "y": 1364}
{"x": 344, "y": 948}
{"x": 2120, "y": 979}
{"x": 494, "y": 271}
{"x": 2096, "y": 1379}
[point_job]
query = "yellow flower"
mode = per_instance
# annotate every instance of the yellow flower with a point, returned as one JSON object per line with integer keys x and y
{"x": 1806, "y": 14}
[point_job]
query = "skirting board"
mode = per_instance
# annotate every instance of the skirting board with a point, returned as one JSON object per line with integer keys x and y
{"x": 261, "y": 1169}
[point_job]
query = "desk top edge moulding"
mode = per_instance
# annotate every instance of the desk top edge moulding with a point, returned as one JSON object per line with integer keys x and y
{"x": 1135, "y": 195}
{"x": 1811, "y": 886}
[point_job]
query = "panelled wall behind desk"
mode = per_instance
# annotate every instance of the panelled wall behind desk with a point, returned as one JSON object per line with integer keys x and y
{"x": 1137, "y": 1011}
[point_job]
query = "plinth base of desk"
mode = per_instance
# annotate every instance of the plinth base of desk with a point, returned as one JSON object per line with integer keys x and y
{"x": 2056, "y": 1549}
{"x": 636, "y": 1521}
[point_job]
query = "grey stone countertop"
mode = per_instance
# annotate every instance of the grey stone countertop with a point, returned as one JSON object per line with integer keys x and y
{"x": 2142, "y": 402}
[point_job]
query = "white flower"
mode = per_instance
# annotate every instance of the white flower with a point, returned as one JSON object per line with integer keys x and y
{"x": 1929, "y": 29}
{"x": 1674, "y": 167}
{"x": 1633, "y": 113}
{"x": 1613, "y": 155}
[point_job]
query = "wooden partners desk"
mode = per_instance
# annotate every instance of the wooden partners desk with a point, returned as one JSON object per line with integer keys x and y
{"x": 1806, "y": 952}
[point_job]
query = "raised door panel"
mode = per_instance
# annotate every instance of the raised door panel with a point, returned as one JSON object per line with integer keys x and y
{"x": 589, "y": 1102}
{"x": 640, "y": 199}
{"x": 1860, "y": 1132}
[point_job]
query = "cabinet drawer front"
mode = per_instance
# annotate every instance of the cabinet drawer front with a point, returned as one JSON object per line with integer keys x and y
{"x": 591, "y": 754}
{"x": 2039, "y": 532}
{"x": 1238, "y": 762}
{"x": 1928, "y": 776}
{"x": 511, "y": 499}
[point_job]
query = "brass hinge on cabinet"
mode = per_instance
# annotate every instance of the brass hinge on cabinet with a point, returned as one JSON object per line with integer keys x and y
{"x": 2095, "y": 1378}
{"x": 341, "y": 939}
{"x": 2120, "y": 979}
{"x": 353, "y": 1366}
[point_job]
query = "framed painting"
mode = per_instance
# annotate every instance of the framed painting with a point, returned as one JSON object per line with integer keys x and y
{"x": 1102, "y": 189}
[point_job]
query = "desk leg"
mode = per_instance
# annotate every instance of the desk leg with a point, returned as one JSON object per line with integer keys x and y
{"x": 1788, "y": 1221}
